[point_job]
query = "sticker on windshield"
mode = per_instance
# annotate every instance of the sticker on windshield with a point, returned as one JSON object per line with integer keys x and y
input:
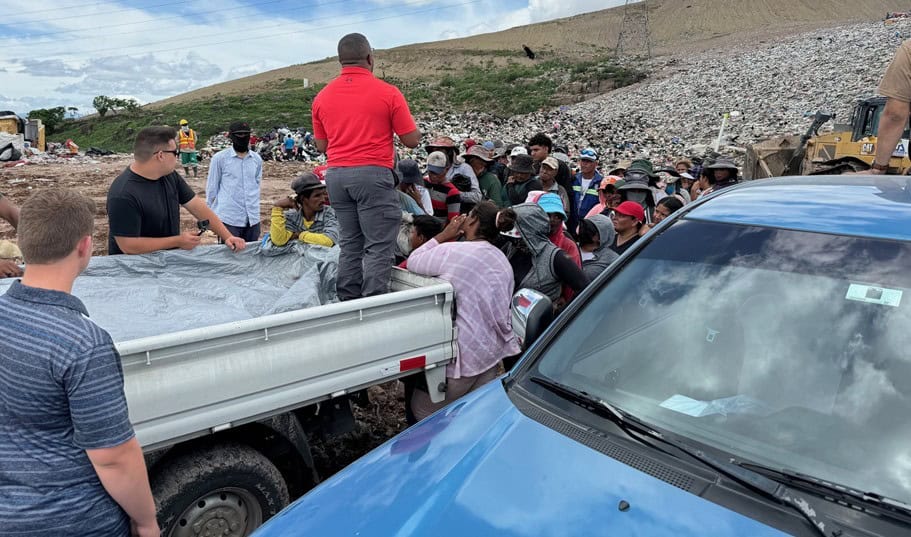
{"x": 874, "y": 295}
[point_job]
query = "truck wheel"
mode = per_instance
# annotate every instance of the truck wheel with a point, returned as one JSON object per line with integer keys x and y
{"x": 228, "y": 491}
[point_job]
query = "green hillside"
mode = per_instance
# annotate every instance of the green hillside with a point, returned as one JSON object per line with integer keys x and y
{"x": 504, "y": 90}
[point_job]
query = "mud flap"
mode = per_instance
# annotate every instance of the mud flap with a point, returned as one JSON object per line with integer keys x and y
{"x": 436, "y": 383}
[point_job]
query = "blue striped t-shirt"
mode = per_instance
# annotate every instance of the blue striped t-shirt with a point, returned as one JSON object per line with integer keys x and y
{"x": 61, "y": 393}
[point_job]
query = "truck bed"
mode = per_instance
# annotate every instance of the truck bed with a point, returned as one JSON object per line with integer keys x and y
{"x": 203, "y": 380}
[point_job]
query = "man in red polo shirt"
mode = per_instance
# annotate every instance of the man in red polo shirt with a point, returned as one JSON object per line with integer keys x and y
{"x": 354, "y": 119}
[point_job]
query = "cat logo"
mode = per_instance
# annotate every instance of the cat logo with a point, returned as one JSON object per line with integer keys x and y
{"x": 867, "y": 149}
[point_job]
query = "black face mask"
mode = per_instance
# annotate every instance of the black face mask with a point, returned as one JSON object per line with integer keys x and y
{"x": 241, "y": 143}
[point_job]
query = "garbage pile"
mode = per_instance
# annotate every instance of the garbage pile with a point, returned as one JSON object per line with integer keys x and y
{"x": 215, "y": 144}
{"x": 60, "y": 153}
{"x": 768, "y": 89}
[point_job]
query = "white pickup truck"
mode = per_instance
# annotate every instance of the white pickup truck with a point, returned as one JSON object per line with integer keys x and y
{"x": 223, "y": 411}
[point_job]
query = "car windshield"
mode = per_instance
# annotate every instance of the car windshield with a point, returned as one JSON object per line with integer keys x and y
{"x": 784, "y": 348}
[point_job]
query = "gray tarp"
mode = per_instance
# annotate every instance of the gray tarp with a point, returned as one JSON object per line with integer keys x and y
{"x": 134, "y": 296}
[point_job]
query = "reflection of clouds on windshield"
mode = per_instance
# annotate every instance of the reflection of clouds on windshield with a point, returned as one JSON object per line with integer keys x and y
{"x": 863, "y": 398}
{"x": 765, "y": 325}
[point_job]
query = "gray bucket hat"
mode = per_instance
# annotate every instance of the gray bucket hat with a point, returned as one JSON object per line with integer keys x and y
{"x": 306, "y": 182}
{"x": 522, "y": 164}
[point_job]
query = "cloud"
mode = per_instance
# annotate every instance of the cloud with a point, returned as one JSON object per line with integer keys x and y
{"x": 49, "y": 68}
{"x": 143, "y": 75}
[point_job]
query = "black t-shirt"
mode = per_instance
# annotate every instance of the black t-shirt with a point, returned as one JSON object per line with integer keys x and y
{"x": 140, "y": 207}
{"x": 626, "y": 245}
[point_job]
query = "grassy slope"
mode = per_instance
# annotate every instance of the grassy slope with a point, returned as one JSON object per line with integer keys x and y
{"x": 282, "y": 103}
{"x": 508, "y": 90}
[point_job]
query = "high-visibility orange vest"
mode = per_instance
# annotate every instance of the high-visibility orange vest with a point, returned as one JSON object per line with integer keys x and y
{"x": 187, "y": 140}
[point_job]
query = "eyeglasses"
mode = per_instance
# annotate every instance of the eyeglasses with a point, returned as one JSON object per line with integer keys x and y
{"x": 175, "y": 152}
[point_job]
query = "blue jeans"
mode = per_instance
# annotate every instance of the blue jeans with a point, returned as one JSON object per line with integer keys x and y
{"x": 247, "y": 233}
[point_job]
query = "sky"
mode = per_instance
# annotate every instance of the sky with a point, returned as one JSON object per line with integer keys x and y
{"x": 65, "y": 52}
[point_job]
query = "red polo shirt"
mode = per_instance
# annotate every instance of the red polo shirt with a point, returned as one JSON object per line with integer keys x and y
{"x": 358, "y": 113}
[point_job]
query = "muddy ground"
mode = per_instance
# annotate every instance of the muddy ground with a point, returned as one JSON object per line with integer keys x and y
{"x": 383, "y": 418}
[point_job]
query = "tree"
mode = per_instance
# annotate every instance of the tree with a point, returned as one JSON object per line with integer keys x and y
{"x": 51, "y": 117}
{"x": 102, "y": 104}
{"x": 130, "y": 105}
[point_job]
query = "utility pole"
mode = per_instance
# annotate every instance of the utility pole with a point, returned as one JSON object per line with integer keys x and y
{"x": 635, "y": 36}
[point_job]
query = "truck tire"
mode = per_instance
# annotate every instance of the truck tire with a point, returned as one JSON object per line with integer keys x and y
{"x": 228, "y": 490}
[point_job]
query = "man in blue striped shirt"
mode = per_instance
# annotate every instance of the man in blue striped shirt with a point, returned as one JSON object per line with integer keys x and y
{"x": 69, "y": 461}
{"x": 233, "y": 185}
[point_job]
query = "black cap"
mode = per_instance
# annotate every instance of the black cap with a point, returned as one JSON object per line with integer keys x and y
{"x": 239, "y": 127}
{"x": 306, "y": 182}
{"x": 409, "y": 172}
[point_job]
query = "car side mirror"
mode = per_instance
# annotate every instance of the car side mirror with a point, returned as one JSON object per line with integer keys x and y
{"x": 532, "y": 313}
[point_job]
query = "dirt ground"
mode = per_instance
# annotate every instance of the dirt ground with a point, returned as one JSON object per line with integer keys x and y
{"x": 375, "y": 423}
{"x": 95, "y": 177}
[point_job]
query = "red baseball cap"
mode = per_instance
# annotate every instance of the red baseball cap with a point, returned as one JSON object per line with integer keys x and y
{"x": 631, "y": 208}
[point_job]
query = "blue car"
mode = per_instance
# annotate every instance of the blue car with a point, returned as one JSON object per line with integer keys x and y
{"x": 744, "y": 370}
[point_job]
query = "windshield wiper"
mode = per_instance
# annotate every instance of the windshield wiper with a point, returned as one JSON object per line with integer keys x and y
{"x": 627, "y": 423}
{"x": 851, "y": 496}
{"x": 636, "y": 428}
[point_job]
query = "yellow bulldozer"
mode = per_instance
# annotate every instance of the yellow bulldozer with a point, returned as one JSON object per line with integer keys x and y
{"x": 848, "y": 148}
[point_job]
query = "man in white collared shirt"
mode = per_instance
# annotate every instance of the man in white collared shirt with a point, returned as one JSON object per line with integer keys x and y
{"x": 233, "y": 185}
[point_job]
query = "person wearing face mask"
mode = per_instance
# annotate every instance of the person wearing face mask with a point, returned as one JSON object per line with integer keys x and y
{"x": 233, "y": 185}
{"x": 187, "y": 144}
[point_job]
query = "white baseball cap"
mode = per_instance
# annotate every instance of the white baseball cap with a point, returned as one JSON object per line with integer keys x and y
{"x": 518, "y": 150}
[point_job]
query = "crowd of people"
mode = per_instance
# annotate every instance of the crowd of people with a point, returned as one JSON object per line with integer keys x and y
{"x": 487, "y": 216}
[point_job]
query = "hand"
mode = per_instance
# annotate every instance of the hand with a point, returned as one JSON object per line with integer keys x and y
{"x": 510, "y": 180}
{"x": 9, "y": 269}
{"x": 285, "y": 203}
{"x": 413, "y": 192}
{"x": 188, "y": 240}
{"x": 148, "y": 530}
{"x": 453, "y": 229}
{"x": 236, "y": 244}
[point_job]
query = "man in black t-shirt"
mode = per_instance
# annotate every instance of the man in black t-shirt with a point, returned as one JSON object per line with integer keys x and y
{"x": 144, "y": 201}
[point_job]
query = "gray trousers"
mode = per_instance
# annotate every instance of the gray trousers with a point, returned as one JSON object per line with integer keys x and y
{"x": 369, "y": 215}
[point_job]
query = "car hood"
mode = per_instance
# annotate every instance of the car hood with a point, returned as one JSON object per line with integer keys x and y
{"x": 480, "y": 467}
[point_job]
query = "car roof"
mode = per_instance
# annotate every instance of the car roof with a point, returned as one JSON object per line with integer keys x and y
{"x": 876, "y": 206}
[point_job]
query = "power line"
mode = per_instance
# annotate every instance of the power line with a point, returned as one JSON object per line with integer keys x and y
{"x": 143, "y": 21}
{"x": 181, "y": 16}
{"x": 60, "y": 7}
{"x": 104, "y": 13}
{"x": 249, "y": 37}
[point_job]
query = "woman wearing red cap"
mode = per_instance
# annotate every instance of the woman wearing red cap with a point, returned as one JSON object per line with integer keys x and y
{"x": 627, "y": 218}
